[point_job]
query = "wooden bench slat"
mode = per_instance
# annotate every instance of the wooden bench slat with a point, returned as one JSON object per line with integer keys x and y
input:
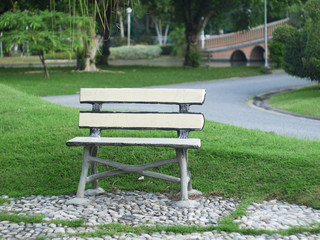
{"x": 155, "y": 142}
{"x": 169, "y": 121}
{"x": 134, "y": 95}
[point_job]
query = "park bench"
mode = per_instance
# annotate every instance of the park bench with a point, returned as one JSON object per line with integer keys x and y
{"x": 180, "y": 120}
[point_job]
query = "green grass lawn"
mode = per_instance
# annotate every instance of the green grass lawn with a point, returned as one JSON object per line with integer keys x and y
{"x": 64, "y": 81}
{"x": 232, "y": 161}
{"x": 304, "y": 101}
{"x": 14, "y": 60}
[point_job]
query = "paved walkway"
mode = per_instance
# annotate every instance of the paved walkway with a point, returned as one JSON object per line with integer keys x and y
{"x": 226, "y": 102}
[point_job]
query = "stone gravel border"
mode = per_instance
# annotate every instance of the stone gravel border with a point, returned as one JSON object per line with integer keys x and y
{"x": 142, "y": 208}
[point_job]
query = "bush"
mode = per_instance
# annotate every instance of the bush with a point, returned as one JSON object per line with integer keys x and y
{"x": 293, "y": 54}
{"x": 145, "y": 39}
{"x": 178, "y": 40}
{"x": 311, "y": 33}
{"x": 193, "y": 58}
{"x": 276, "y": 53}
{"x": 61, "y": 55}
{"x": 301, "y": 51}
{"x": 281, "y": 35}
{"x": 118, "y": 41}
{"x": 135, "y": 52}
{"x": 287, "y": 50}
{"x": 166, "y": 50}
{"x": 284, "y": 33}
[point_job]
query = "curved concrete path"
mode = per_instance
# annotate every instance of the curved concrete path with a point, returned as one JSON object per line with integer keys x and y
{"x": 226, "y": 103}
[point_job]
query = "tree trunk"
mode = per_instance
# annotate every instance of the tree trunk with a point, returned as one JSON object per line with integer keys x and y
{"x": 43, "y": 61}
{"x": 194, "y": 24}
{"x": 89, "y": 61}
{"x": 166, "y": 33}
{"x": 121, "y": 26}
{"x": 157, "y": 25}
{"x": 192, "y": 57}
{"x": 119, "y": 12}
{"x": 106, "y": 36}
{"x": 105, "y": 50}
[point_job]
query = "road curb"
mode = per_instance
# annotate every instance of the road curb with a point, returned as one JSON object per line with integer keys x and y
{"x": 261, "y": 101}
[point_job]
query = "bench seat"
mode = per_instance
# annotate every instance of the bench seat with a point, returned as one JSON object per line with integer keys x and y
{"x": 193, "y": 143}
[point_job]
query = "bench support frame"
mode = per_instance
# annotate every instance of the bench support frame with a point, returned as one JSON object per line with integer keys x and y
{"x": 91, "y": 159}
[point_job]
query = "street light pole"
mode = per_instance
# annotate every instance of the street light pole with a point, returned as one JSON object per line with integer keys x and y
{"x": 1, "y": 45}
{"x": 266, "y": 65}
{"x": 129, "y": 10}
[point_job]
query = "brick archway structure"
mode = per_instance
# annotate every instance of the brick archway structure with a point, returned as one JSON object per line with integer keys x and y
{"x": 238, "y": 55}
{"x": 228, "y": 47}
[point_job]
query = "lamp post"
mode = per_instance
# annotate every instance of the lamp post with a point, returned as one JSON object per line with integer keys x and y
{"x": 266, "y": 65}
{"x": 202, "y": 37}
{"x": 1, "y": 45}
{"x": 129, "y": 10}
{"x": 27, "y": 42}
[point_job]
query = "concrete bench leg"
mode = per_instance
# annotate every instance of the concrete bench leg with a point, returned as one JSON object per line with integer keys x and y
{"x": 191, "y": 191}
{"x": 94, "y": 170}
{"x": 182, "y": 157}
{"x": 79, "y": 200}
{"x": 84, "y": 172}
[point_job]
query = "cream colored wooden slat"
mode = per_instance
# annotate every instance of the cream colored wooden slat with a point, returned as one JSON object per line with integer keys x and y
{"x": 155, "y": 142}
{"x": 113, "y": 95}
{"x": 142, "y": 120}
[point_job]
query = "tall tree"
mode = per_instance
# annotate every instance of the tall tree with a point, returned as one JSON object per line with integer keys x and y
{"x": 300, "y": 48}
{"x": 100, "y": 11}
{"x": 195, "y": 14}
{"x": 45, "y": 31}
{"x": 310, "y": 39}
{"x": 161, "y": 12}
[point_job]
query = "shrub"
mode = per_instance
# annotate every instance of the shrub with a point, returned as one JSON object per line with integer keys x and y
{"x": 287, "y": 50}
{"x": 311, "y": 33}
{"x": 281, "y": 35}
{"x": 276, "y": 53}
{"x": 284, "y": 33}
{"x": 193, "y": 58}
{"x": 166, "y": 50}
{"x": 178, "y": 40}
{"x": 135, "y": 52}
{"x": 61, "y": 55}
{"x": 118, "y": 41}
{"x": 301, "y": 52}
{"x": 293, "y": 54}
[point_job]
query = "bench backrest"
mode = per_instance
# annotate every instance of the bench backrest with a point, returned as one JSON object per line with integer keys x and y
{"x": 182, "y": 121}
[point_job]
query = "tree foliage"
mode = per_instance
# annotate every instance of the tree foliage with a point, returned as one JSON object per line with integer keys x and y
{"x": 301, "y": 47}
{"x": 161, "y": 13}
{"x": 195, "y": 15}
{"x": 43, "y": 32}
{"x": 281, "y": 36}
{"x": 311, "y": 36}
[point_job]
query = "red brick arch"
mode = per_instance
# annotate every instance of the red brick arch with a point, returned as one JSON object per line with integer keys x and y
{"x": 252, "y": 53}
{"x": 232, "y": 45}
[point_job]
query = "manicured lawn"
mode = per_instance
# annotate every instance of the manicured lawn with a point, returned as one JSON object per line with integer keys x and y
{"x": 10, "y": 60}
{"x": 232, "y": 161}
{"x": 304, "y": 101}
{"x": 64, "y": 81}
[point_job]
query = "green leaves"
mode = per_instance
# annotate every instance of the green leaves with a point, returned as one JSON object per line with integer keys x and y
{"x": 301, "y": 48}
{"x": 44, "y": 31}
